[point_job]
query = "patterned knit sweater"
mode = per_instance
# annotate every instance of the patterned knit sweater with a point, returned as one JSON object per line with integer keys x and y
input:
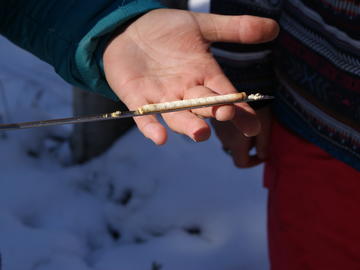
{"x": 313, "y": 68}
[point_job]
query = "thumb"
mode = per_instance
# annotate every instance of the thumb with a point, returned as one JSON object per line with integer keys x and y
{"x": 240, "y": 29}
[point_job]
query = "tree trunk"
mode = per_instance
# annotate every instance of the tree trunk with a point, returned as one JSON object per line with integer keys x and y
{"x": 92, "y": 139}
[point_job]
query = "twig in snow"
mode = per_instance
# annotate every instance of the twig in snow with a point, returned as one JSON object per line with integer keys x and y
{"x": 156, "y": 266}
{"x": 5, "y": 104}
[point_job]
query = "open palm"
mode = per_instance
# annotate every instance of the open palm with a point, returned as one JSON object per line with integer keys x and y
{"x": 164, "y": 56}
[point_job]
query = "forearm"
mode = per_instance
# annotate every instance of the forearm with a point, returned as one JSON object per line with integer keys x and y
{"x": 66, "y": 34}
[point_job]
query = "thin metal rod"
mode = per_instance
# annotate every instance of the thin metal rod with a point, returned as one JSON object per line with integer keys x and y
{"x": 142, "y": 111}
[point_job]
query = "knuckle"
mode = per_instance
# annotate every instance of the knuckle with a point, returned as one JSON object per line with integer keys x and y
{"x": 241, "y": 163}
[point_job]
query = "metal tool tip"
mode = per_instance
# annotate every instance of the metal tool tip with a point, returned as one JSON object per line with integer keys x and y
{"x": 259, "y": 96}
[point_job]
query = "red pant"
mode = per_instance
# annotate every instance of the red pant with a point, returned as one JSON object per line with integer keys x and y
{"x": 314, "y": 207}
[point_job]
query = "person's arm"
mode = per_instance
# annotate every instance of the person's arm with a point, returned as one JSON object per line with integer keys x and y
{"x": 162, "y": 55}
{"x": 70, "y": 35}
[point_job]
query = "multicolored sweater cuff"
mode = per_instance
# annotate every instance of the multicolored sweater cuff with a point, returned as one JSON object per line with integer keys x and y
{"x": 88, "y": 56}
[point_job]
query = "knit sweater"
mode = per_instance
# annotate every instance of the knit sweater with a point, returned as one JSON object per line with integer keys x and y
{"x": 313, "y": 68}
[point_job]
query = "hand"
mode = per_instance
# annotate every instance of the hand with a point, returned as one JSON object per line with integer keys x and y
{"x": 164, "y": 56}
{"x": 238, "y": 145}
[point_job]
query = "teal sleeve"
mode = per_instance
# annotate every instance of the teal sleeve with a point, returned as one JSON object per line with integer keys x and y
{"x": 69, "y": 34}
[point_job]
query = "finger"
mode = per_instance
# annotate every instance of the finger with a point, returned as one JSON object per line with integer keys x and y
{"x": 151, "y": 128}
{"x": 220, "y": 84}
{"x": 221, "y": 113}
{"x": 240, "y": 151}
{"x": 187, "y": 123}
{"x": 245, "y": 117}
{"x": 226, "y": 132}
{"x": 148, "y": 125}
{"x": 242, "y": 29}
{"x": 235, "y": 143}
{"x": 242, "y": 158}
{"x": 246, "y": 120}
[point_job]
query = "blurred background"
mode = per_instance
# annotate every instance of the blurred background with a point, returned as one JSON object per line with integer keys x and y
{"x": 101, "y": 196}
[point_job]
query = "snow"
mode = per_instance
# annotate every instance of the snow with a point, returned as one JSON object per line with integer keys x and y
{"x": 136, "y": 207}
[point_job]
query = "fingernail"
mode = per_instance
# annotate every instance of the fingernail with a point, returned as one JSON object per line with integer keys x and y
{"x": 201, "y": 135}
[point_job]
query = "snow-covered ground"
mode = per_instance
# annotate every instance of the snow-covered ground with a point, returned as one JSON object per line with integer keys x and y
{"x": 137, "y": 207}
